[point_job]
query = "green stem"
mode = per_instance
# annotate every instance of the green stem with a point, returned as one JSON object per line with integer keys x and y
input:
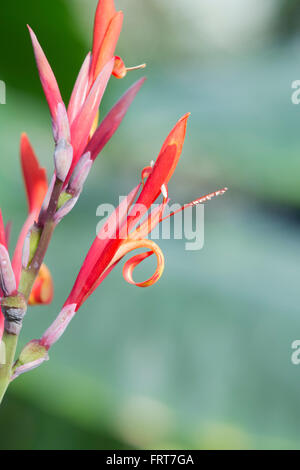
{"x": 27, "y": 280}
{"x": 10, "y": 342}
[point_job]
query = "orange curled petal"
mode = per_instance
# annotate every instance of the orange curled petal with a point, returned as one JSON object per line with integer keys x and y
{"x": 131, "y": 264}
{"x": 42, "y": 291}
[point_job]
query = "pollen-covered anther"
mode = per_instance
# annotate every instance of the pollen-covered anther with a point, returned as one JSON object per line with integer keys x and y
{"x": 208, "y": 197}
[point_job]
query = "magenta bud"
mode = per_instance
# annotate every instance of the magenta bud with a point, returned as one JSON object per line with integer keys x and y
{"x": 63, "y": 157}
{"x": 80, "y": 174}
{"x": 7, "y": 277}
{"x": 58, "y": 327}
{"x": 61, "y": 126}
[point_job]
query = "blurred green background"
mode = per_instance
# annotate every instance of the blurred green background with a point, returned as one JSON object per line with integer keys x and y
{"x": 202, "y": 359}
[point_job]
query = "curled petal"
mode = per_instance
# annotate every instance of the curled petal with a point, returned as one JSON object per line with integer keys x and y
{"x": 112, "y": 121}
{"x": 80, "y": 90}
{"x": 42, "y": 291}
{"x": 131, "y": 264}
{"x": 47, "y": 77}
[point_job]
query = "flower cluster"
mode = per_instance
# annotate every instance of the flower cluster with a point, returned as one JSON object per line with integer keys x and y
{"x": 78, "y": 141}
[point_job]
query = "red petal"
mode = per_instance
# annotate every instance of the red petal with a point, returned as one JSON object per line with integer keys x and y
{"x": 113, "y": 120}
{"x": 47, "y": 77}
{"x": 163, "y": 169}
{"x": 34, "y": 176}
{"x": 8, "y": 233}
{"x": 2, "y": 231}
{"x": 36, "y": 188}
{"x": 104, "y": 14}
{"x": 80, "y": 90}
{"x": 131, "y": 264}
{"x": 101, "y": 252}
{"x": 109, "y": 44}
{"x": 82, "y": 125}
{"x": 42, "y": 291}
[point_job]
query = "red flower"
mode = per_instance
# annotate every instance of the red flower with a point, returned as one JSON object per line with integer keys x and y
{"x": 82, "y": 112}
{"x": 120, "y": 236}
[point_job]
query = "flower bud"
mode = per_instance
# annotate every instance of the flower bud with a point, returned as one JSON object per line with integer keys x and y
{"x": 65, "y": 209}
{"x": 7, "y": 277}
{"x": 80, "y": 174}
{"x": 63, "y": 157}
{"x": 61, "y": 126}
{"x": 32, "y": 356}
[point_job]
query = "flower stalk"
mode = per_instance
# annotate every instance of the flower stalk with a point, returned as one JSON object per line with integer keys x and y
{"x": 78, "y": 141}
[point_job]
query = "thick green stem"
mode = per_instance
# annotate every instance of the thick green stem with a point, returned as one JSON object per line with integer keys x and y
{"x": 10, "y": 342}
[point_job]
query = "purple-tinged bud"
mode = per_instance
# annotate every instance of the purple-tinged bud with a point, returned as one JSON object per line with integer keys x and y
{"x": 65, "y": 209}
{"x": 7, "y": 277}
{"x": 61, "y": 126}
{"x": 32, "y": 356}
{"x": 80, "y": 174}
{"x": 63, "y": 157}
{"x": 26, "y": 250}
{"x": 58, "y": 327}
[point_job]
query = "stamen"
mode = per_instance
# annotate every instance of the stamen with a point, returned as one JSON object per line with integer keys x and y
{"x": 136, "y": 67}
{"x": 201, "y": 200}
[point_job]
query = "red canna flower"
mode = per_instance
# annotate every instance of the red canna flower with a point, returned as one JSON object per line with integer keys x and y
{"x": 82, "y": 111}
{"x": 78, "y": 141}
{"x": 120, "y": 236}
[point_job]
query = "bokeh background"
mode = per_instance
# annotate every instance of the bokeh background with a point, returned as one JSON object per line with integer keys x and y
{"x": 202, "y": 359}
